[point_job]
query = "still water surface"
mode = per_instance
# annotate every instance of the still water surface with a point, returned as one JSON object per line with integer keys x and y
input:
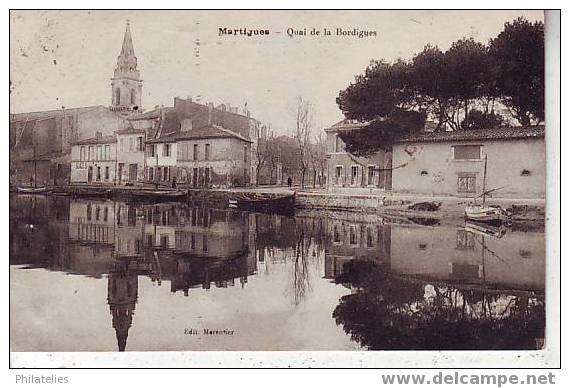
{"x": 92, "y": 275}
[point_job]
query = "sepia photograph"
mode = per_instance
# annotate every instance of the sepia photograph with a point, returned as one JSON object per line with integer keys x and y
{"x": 288, "y": 180}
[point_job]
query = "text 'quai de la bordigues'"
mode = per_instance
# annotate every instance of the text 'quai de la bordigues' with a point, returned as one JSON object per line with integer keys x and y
{"x": 298, "y": 32}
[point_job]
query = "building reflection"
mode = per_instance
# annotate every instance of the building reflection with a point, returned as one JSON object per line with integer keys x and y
{"x": 457, "y": 276}
{"x": 464, "y": 286}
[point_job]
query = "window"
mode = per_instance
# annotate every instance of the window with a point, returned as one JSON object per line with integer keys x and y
{"x": 166, "y": 174}
{"x": 207, "y": 152}
{"x": 467, "y": 152}
{"x": 89, "y": 212}
{"x": 465, "y": 240}
{"x": 91, "y": 153}
{"x": 353, "y": 175}
{"x": 150, "y": 174}
{"x": 205, "y": 243}
{"x": 132, "y": 145}
{"x": 139, "y": 143}
{"x": 151, "y": 150}
{"x": 166, "y": 150}
{"x": 353, "y": 236}
{"x": 195, "y": 177}
{"x": 245, "y": 153}
{"x": 195, "y": 154}
{"x": 338, "y": 175}
{"x": 466, "y": 182}
{"x": 117, "y": 96}
{"x": 82, "y": 153}
{"x": 207, "y": 176}
{"x": 525, "y": 173}
{"x": 369, "y": 237}
{"x": 107, "y": 173}
{"x": 371, "y": 175}
{"x": 336, "y": 234}
{"x": 98, "y": 173}
{"x": 338, "y": 144}
{"x": 107, "y": 152}
{"x": 133, "y": 96}
{"x": 99, "y": 152}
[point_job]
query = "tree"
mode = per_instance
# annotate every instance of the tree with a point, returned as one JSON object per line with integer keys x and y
{"x": 431, "y": 81}
{"x": 263, "y": 152}
{"x": 519, "y": 51}
{"x": 304, "y": 116}
{"x": 466, "y": 62}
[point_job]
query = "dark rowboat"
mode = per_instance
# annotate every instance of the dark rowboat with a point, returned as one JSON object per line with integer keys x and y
{"x": 91, "y": 192}
{"x": 265, "y": 203}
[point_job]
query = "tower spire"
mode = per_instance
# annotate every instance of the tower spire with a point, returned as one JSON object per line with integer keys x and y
{"x": 127, "y": 49}
{"x": 126, "y": 82}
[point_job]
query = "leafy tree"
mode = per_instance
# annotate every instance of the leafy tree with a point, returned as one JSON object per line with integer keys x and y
{"x": 466, "y": 62}
{"x": 519, "y": 52}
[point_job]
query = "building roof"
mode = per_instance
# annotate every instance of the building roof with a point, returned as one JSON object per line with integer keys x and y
{"x": 97, "y": 140}
{"x": 151, "y": 114}
{"x": 346, "y": 124}
{"x": 130, "y": 130}
{"x": 50, "y": 113}
{"x": 205, "y": 132}
{"x": 475, "y": 134}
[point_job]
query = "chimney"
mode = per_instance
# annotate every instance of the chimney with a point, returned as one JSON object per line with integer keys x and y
{"x": 98, "y": 135}
{"x": 189, "y": 98}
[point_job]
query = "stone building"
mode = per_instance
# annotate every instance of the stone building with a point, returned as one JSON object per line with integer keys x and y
{"x": 453, "y": 163}
{"x": 43, "y": 141}
{"x": 130, "y": 156}
{"x": 94, "y": 160}
{"x": 349, "y": 173}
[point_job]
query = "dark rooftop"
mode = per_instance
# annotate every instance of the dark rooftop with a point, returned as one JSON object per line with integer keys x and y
{"x": 97, "y": 140}
{"x": 475, "y": 134}
{"x": 206, "y": 132}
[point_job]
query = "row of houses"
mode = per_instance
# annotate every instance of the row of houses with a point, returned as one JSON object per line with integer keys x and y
{"x": 443, "y": 163}
{"x": 209, "y": 156}
{"x": 189, "y": 142}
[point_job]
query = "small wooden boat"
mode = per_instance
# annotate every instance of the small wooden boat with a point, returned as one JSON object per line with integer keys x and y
{"x": 92, "y": 192}
{"x": 33, "y": 190}
{"x": 265, "y": 202}
{"x": 486, "y": 213}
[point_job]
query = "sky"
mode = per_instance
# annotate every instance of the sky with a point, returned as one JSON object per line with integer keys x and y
{"x": 67, "y": 58}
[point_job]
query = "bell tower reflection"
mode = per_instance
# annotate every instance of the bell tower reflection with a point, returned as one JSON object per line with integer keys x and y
{"x": 122, "y": 291}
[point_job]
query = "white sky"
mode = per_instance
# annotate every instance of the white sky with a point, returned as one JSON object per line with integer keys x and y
{"x": 66, "y": 58}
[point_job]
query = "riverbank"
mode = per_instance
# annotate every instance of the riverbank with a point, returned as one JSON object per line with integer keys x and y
{"x": 388, "y": 204}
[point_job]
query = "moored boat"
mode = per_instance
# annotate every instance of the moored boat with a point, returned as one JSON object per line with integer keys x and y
{"x": 33, "y": 190}
{"x": 486, "y": 213}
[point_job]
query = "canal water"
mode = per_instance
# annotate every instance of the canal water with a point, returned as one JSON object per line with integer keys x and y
{"x": 94, "y": 275}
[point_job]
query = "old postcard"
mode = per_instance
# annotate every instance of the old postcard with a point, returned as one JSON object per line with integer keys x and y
{"x": 359, "y": 181}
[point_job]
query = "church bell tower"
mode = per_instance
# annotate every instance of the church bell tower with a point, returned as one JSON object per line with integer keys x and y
{"x": 126, "y": 84}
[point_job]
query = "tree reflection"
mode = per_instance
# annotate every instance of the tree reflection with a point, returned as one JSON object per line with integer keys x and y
{"x": 387, "y": 311}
